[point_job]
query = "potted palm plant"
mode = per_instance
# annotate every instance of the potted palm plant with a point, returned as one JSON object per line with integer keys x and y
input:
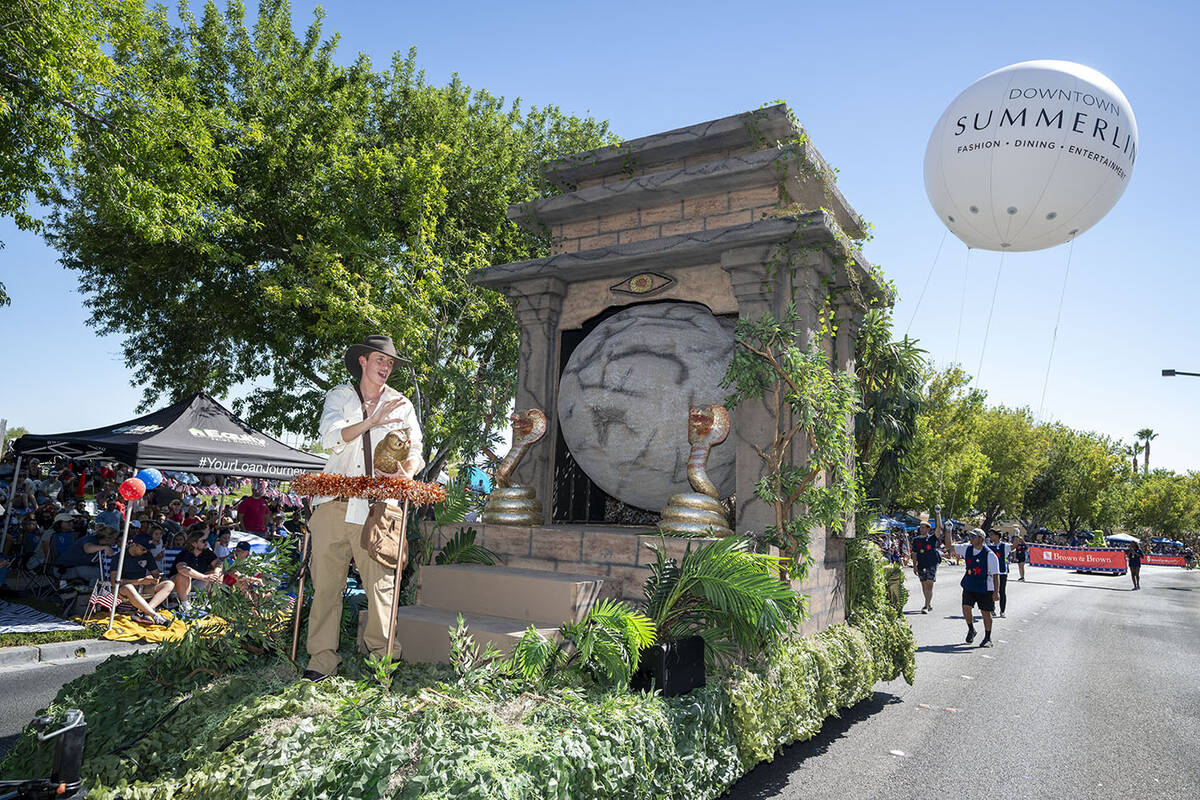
{"x": 720, "y": 602}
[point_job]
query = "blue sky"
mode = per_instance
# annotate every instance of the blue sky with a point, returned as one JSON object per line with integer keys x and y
{"x": 868, "y": 80}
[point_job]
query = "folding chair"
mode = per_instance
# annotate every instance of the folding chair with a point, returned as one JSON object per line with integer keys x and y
{"x": 34, "y": 580}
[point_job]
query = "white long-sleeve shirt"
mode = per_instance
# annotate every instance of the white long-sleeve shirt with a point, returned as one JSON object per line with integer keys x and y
{"x": 342, "y": 409}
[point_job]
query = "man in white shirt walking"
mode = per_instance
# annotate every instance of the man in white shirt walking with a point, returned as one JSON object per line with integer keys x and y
{"x": 355, "y": 417}
{"x": 979, "y": 584}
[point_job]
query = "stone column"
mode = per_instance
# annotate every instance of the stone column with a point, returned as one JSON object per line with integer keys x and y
{"x": 848, "y": 319}
{"x": 537, "y": 304}
{"x": 752, "y": 421}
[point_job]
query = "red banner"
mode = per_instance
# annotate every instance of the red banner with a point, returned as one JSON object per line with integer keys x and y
{"x": 1165, "y": 561}
{"x": 1094, "y": 559}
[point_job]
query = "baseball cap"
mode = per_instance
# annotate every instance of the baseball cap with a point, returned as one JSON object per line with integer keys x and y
{"x": 243, "y": 546}
{"x": 976, "y": 532}
{"x": 144, "y": 540}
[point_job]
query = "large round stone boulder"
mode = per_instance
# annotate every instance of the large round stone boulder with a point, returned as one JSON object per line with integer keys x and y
{"x": 623, "y": 400}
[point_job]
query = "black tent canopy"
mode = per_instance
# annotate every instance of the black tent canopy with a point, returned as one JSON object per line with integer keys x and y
{"x": 194, "y": 435}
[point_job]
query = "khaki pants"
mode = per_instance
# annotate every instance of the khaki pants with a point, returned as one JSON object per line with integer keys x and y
{"x": 334, "y": 541}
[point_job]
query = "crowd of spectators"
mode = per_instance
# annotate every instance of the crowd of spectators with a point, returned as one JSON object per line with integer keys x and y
{"x": 64, "y": 528}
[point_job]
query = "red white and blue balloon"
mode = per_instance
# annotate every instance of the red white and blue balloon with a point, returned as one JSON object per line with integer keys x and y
{"x": 1031, "y": 155}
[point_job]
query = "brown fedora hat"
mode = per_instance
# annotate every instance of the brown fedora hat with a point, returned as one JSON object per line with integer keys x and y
{"x": 372, "y": 344}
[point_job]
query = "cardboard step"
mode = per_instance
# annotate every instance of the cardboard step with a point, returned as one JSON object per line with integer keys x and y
{"x": 423, "y": 633}
{"x": 516, "y": 593}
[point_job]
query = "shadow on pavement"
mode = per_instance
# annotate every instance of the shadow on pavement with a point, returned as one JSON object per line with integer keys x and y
{"x": 768, "y": 780}
{"x": 1073, "y": 585}
{"x": 947, "y": 648}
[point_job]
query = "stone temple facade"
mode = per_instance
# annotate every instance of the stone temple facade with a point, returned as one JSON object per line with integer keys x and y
{"x": 692, "y": 229}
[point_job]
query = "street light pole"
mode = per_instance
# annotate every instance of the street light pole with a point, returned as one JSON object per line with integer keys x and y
{"x": 1170, "y": 373}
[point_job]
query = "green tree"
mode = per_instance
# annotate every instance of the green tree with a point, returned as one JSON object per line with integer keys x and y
{"x": 1165, "y": 504}
{"x": 1041, "y": 496}
{"x": 1088, "y": 467}
{"x": 1013, "y": 448}
{"x": 328, "y": 202}
{"x": 944, "y": 464}
{"x": 53, "y": 68}
{"x": 890, "y": 374}
{"x": 1146, "y": 435}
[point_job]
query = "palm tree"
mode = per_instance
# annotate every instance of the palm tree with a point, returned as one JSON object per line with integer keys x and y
{"x": 1146, "y": 435}
{"x": 890, "y": 378}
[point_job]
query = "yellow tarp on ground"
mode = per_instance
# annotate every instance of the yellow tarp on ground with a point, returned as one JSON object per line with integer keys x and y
{"x": 127, "y": 629}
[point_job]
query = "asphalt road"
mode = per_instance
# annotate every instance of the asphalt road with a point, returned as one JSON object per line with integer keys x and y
{"x": 1092, "y": 691}
{"x": 24, "y": 692}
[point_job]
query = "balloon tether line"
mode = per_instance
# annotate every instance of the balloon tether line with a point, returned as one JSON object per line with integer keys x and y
{"x": 1058, "y": 318}
{"x": 962, "y": 304}
{"x": 988, "y": 327}
{"x": 938, "y": 255}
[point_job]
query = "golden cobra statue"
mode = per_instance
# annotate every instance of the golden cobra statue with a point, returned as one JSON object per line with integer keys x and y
{"x": 516, "y": 505}
{"x": 699, "y": 513}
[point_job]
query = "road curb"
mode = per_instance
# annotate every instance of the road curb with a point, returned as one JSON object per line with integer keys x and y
{"x": 15, "y": 657}
{"x": 12, "y": 658}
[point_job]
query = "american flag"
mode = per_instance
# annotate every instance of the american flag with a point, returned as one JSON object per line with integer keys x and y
{"x": 102, "y": 595}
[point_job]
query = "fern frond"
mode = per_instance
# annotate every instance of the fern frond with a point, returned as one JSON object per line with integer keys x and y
{"x": 461, "y": 549}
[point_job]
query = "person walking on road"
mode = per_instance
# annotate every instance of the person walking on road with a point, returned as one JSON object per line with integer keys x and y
{"x": 1002, "y": 549}
{"x": 1020, "y": 554}
{"x": 979, "y": 585}
{"x": 1134, "y": 554}
{"x": 925, "y": 557}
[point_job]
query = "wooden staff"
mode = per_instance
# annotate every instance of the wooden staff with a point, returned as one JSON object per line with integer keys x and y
{"x": 400, "y": 561}
{"x": 304, "y": 547}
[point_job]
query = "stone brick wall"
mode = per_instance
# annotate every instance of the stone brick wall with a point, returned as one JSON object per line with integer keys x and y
{"x": 687, "y": 215}
{"x": 825, "y": 586}
{"x": 620, "y": 555}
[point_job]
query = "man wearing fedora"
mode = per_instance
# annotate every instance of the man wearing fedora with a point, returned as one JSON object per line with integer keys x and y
{"x": 372, "y": 408}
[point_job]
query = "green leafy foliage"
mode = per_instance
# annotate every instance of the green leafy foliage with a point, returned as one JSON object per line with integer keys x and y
{"x": 724, "y": 592}
{"x": 604, "y": 647}
{"x": 301, "y": 204}
{"x": 810, "y": 403}
{"x": 944, "y": 464}
{"x": 440, "y": 732}
{"x": 1166, "y": 504}
{"x": 889, "y": 376}
{"x": 804, "y": 680}
{"x": 461, "y": 549}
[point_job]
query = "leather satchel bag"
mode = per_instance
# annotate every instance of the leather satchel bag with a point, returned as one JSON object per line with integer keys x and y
{"x": 383, "y": 533}
{"x": 383, "y": 536}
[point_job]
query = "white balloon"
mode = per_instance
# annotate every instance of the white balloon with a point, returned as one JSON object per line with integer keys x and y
{"x": 1030, "y": 156}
